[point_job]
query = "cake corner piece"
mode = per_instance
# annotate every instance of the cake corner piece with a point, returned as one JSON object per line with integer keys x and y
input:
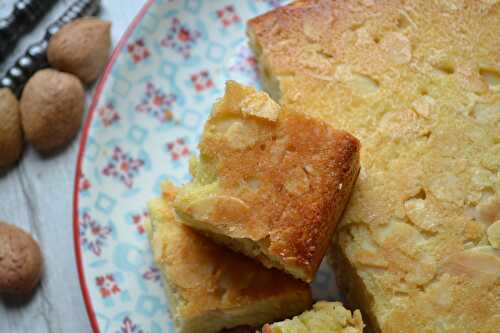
{"x": 269, "y": 182}
{"x": 210, "y": 288}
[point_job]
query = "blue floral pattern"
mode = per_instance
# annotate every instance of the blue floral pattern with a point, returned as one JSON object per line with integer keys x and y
{"x": 180, "y": 38}
{"x": 157, "y": 104}
{"x": 146, "y": 124}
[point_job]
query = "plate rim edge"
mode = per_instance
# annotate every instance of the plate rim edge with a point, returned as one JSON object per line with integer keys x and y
{"x": 81, "y": 150}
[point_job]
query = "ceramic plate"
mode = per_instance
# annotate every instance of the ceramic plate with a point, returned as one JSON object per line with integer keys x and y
{"x": 144, "y": 123}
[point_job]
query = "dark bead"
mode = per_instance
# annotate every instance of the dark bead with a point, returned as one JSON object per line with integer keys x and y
{"x": 25, "y": 62}
{"x": 16, "y": 73}
{"x": 23, "y": 17}
{"x": 4, "y": 24}
{"x": 35, "y": 56}
{"x": 6, "y": 82}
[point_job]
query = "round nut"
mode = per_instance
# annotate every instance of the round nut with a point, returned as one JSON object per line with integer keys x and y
{"x": 51, "y": 109}
{"x": 493, "y": 233}
{"x": 81, "y": 48}
{"x": 20, "y": 261}
{"x": 11, "y": 136}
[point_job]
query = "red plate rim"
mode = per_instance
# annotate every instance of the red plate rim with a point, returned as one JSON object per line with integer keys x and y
{"x": 81, "y": 150}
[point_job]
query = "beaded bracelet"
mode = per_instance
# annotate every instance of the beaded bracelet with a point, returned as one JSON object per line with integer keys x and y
{"x": 23, "y": 18}
{"x": 35, "y": 57}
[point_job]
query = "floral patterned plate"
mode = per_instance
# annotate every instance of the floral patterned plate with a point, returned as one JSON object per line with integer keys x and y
{"x": 143, "y": 124}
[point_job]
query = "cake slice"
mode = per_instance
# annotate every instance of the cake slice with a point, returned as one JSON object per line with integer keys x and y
{"x": 269, "y": 182}
{"x": 210, "y": 288}
{"x": 325, "y": 317}
{"x": 418, "y": 83}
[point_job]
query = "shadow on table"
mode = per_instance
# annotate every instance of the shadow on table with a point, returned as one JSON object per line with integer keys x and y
{"x": 11, "y": 301}
{"x": 44, "y": 156}
{"x": 17, "y": 301}
{"x": 4, "y": 171}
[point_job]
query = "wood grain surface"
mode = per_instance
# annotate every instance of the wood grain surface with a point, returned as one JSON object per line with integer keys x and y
{"x": 37, "y": 196}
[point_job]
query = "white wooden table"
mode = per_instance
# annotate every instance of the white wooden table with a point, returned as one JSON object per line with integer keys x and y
{"x": 37, "y": 194}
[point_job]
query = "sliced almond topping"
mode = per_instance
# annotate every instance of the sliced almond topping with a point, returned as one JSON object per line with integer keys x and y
{"x": 486, "y": 113}
{"x": 298, "y": 181}
{"x": 479, "y": 262}
{"x": 398, "y": 235}
{"x": 364, "y": 84}
{"x": 424, "y": 105}
{"x": 260, "y": 105}
{"x": 470, "y": 79}
{"x": 493, "y": 233}
{"x": 359, "y": 83}
{"x": 423, "y": 271}
{"x": 371, "y": 259}
{"x": 232, "y": 207}
{"x": 489, "y": 209}
{"x": 238, "y": 136}
{"x": 397, "y": 47}
{"x": 491, "y": 160}
{"x": 448, "y": 187}
{"x": 418, "y": 213}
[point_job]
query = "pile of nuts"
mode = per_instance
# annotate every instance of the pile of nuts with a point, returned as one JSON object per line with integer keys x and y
{"x": 48, "y": 115}
{"x": 51, "y": 107}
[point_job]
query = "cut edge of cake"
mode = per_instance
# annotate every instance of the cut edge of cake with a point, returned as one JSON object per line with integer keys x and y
{"x": 291, "y": 297}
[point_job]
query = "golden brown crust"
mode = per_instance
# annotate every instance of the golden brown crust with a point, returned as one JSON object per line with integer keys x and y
{"x": 418, "y": 83}
{"x": 281, "y": 180}
{"x": 209, "y": 279}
